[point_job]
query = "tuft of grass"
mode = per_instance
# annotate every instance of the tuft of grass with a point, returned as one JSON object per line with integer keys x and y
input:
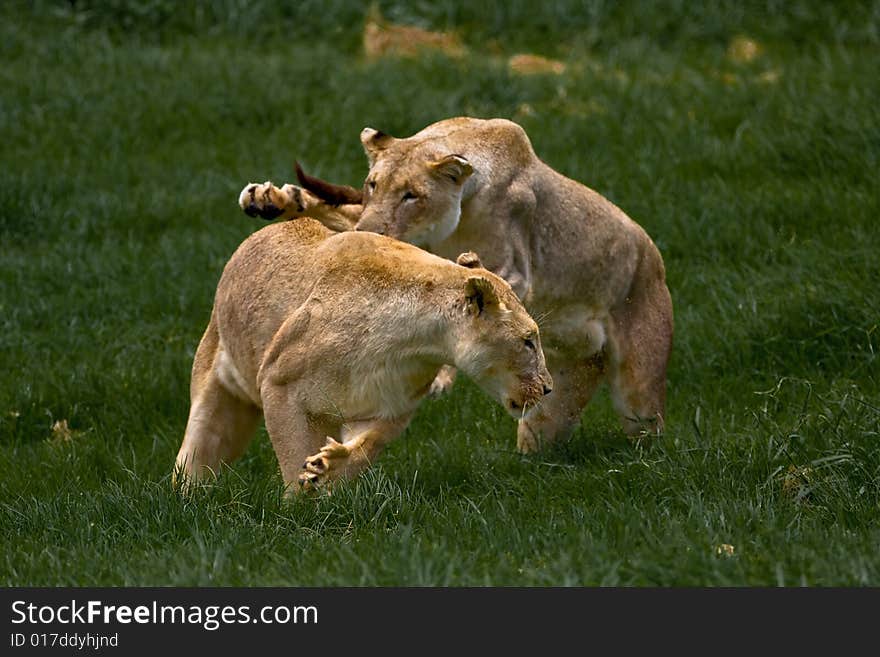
{"x": 129, "y": 129}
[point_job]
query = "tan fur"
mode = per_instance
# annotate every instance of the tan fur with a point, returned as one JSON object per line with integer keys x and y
{"x": 573, "y": 257}
{"x": 335, "y": 338}
{"x": 528, "y": 64}
{"x": 383, "y": 38}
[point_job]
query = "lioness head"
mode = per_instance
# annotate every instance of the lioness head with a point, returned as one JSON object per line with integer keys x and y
{"x": 499, "y": 345}
{"x": 413, "y": 192}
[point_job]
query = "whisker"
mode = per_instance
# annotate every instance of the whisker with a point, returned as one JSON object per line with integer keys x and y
{"x": 544, "y": 315}
{"x": 536, "y": 406}
{"x": 541, "y": 320}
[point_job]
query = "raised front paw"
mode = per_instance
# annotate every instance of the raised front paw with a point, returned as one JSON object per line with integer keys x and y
{"x": 270, "y": 202}
{"x": 325, "y": 466}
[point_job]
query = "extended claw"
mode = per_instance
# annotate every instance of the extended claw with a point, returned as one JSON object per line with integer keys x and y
{"x": 317, "y": 468}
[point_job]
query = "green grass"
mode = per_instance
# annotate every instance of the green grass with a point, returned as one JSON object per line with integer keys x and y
{"x": 128, "y": 129}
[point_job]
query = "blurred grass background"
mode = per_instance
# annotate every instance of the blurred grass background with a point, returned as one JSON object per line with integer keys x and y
{"x": 743, "y": 136}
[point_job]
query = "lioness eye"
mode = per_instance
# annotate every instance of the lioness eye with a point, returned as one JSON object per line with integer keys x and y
{"x": 371, "y": 184}
{"x": 409, "y": 196}
{"x": 529, "y": 344}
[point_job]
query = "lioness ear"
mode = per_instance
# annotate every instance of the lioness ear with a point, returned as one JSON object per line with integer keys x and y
{"x": 470, "y": 260}
{"x": 374, "y": 141}
{"x": 453, "y": 166}
{"x": 479, "y": 294}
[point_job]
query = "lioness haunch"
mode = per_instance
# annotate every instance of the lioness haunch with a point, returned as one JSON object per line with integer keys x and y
{"x": 334, "y": 338}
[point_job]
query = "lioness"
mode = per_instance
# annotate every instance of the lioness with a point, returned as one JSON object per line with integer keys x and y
{"x": 573, "y": 257}
{"x": 335, "y": 338}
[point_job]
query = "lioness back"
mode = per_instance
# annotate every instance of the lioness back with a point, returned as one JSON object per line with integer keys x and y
{"x": 267, "y": 275}
{"x": 277, "y": 269}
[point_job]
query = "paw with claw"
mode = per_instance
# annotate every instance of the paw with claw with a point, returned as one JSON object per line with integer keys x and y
{"x": 270, "y": 202}
{"x": 443, "y": 382}
{"x": 325, "y": 466}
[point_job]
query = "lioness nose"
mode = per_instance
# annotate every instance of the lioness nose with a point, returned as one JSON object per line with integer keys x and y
{"x": 547, "y": 389}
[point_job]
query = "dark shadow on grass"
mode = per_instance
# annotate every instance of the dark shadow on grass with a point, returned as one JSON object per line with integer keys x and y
{"x": 589, "y": 446}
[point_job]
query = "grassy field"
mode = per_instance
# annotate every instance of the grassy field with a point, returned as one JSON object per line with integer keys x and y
{"x": 745, "y": 137}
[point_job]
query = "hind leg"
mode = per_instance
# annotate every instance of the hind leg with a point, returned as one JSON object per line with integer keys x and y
{"x": 574, "y": 382}
{"x": 641, "y": 344}
{"x": 220, "y": 424}
{"x": 219, "y": 429}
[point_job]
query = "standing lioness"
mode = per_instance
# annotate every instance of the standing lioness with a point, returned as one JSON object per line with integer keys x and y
{"x": 335, "y": 338}
{"x": 571, "y": 255}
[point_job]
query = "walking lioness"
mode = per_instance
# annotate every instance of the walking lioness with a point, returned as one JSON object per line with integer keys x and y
{"x": 571, "y": 255}
{"x": 335, "y": 338}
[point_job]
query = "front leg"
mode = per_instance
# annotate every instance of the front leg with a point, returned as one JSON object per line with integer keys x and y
{"x": 499, "y": 230}
{"x": 291, "y": 202}
{"x": 517, "y": 267}
{"x": 575, "y": 379}
{"x": 362, "y": 442}
{"x": 294, "y": 434}
{"x": 518, "y": 281}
